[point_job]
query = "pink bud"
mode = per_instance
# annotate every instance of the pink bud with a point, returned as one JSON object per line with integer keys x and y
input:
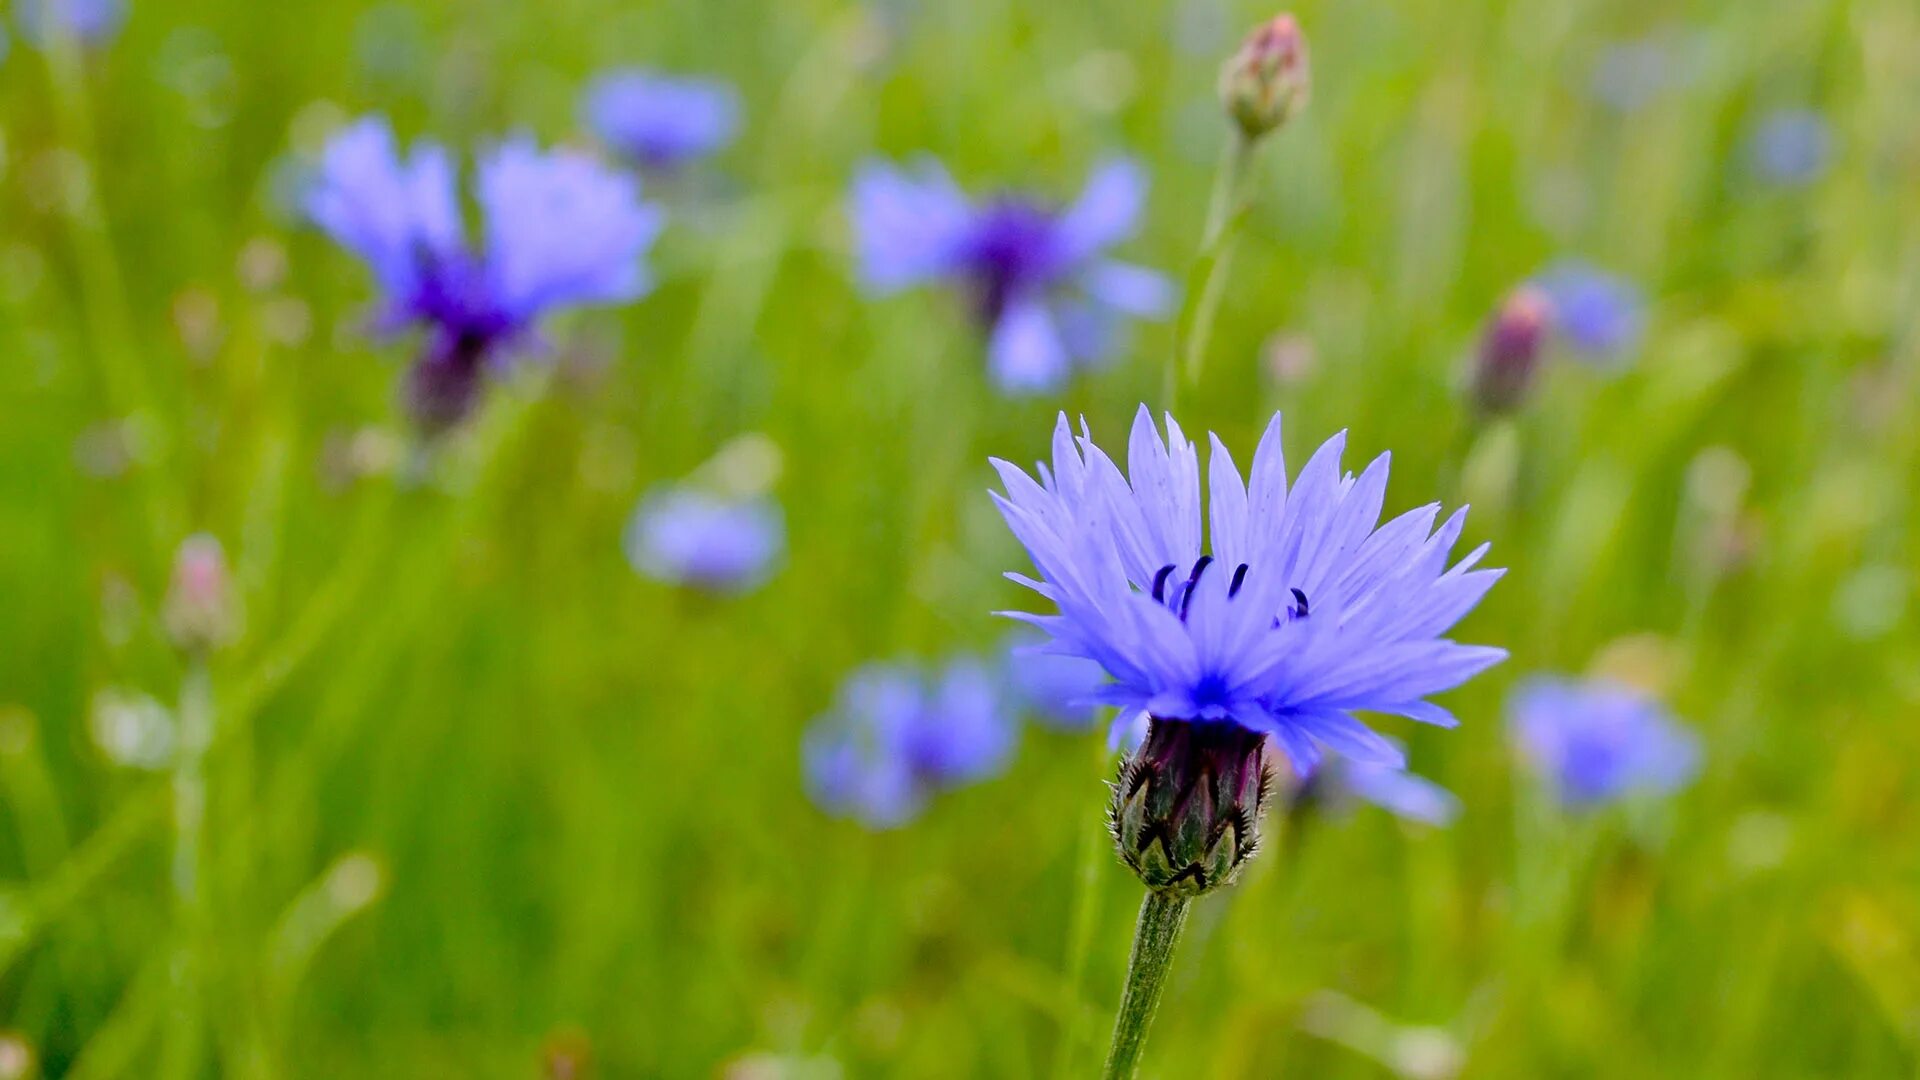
{"x": 1266, "y": 83}
{"x": 1503, "y": 370}
{"x": 200, "y": 612}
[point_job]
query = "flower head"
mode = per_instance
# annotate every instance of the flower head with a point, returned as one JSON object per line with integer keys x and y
{"x": 660, "y": 122}
{"x": 1038, "y": 275}
{"x": 1600, "y": 315}
{"x": 86, "y": 21}
{"x": 1598, "y": 741}
{"x": 1299, "y": 611}
{"x": 557, "y": 230}
{"x": 688, "y": 536}
{"x": 1509, "y": 353}
{"x": 1397, "y": 791}
{"x": 1266, "y": 82}
{"x": 1790, "y": 147}
{"x": 201, "y": 611}
{"x": 897, "y": 735}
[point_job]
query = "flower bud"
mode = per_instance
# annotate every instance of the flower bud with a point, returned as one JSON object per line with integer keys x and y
{"x": 1509, "y": 354}
{"x": 200, "y": 612}
{"x": 1186, "y": 808}
{"x": 1265, "y": 83}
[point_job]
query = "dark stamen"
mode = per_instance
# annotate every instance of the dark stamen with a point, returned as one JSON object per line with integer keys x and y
{"x": 1239, "y": 579}
{"x": 1193, "y": 579}
{"x": 1160, "y": 584}
{"x": 1299, "y": 611}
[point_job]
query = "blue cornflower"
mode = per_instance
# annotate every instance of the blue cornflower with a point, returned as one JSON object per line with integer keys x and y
{"x": 1302, "y": 612}
{"x": 557, "y": 229}
{"x": 1791, "y": 147}
{"x": 86, "y": 21}
{"x": 1600, "y": 315}
{"x": 1396, "y": 791}
{"x": 1061, "y": 691}
{"x": 897, "y": 735}
{"x": 1038, "y": 276}
{"x": 689, "y": 536}
{"x": 660, "y": 122}
{"x": 1597, "y": 741}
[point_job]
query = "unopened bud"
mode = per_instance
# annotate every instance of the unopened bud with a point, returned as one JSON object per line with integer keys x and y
{"x": 1509, "y": 355}
{"x": 201, "y": 613}
{"x": 1266, "y": 83}
{"x": 1186, "y": 809}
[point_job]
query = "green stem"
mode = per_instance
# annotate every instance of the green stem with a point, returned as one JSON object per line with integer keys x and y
{"x": 1161, "y": 918}
{"x": 182, "y": 1057}
{"x": 1214, "y": 265}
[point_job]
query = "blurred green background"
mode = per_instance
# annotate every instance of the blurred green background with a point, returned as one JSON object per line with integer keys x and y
{"x": 486, "y": 803}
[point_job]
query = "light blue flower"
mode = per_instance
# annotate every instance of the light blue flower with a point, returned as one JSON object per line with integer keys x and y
{"x": 89, "y": 22}
{"x": 1396, "y": 791}
{"x": 1300, "y": 610}
{"x": 688, "y": 536}
{"x": 1791, "y": 147}
{"x": 1601, "y": 316}
{"x": 897, "y": 735}
{"x": 1061, "y": 691}
{"x": 660, "y": 122}
{"x": 1597, "y": 741}
{"x": 1039, "y": 279}
{"x": 557, "y": 229}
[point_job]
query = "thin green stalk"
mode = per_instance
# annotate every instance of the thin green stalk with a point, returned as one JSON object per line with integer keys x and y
{"x": 1161, "y": 919}
{"x": 1213, "y": 266}
{"x": 184, "y": 1033}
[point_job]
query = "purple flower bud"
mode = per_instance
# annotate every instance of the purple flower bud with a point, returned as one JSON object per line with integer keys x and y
{"x": 1186, "y": 807}
{"x": 200, "y": 612}
{"x": 1266, "y": 83}
{"x": 1509, "y": 354}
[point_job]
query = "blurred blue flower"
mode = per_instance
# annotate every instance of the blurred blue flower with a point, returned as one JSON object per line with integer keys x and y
{"x": 1061, "y": 691}
{"x": 689, "y": 536}
{"x": 88, "y": 21}
{"x": 557, "y": 229}
{"x": 1302, "y": 613}
{"x": 660, "y": 122}
{"x": 1596, "y": 741}
{"x": 1601, "y": 315}
{"x": 1037, "y": 275}
{"x": 1791, "y": 147}
{"x": 897, "y": 735}
{"x": 1396, "y": 791}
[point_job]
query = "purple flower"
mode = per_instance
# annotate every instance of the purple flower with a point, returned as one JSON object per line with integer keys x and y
{"x": 1300, "y": 610}
{"x": 1597, "y": 741}
{"x": 898, "y": 735}
{"x": 1600, "y": 315}
{"x": 89, "y": 22}
{"x": 1037, "y": 275}
{"x": 557, "y": 230}
{"x": 1401, "y": 793}
{"x": 1062, "y": 691}
{"x": 1791, "y": 147}
{"x": 688, "y": 536}
{"x": 660, "y": 122}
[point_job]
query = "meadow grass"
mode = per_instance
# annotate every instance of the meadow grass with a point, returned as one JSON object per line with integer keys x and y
{"x": 480, "y": 797}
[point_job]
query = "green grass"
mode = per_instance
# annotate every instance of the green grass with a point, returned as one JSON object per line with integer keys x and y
{"x": 482, "y": 794}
